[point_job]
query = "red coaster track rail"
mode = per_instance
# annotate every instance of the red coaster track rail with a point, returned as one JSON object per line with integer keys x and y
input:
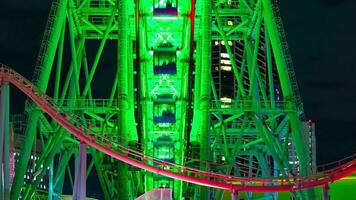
{"x": 329, "y": 173}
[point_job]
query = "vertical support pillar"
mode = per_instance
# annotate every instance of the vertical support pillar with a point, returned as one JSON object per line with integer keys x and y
{"x": 200, "y": 129}
{"x": 275, "y": 174}
{"x": 234, "y": 195}
{"x": 126, "y": 124}
{"x": 4, "y": 141}
{"x": 326, "y": 195}
{"x": 79, "y": 192}
{"x": 50, "y": 182}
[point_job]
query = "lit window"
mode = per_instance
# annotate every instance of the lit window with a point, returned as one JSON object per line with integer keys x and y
{"x": 225, "y": 100}
{"x": 226, "y": 68}
{"x": 224, "y": 55}
{"x": 226, "y": 62}
{"x": 230, "y": 23}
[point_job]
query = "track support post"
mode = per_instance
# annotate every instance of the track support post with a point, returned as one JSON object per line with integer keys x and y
{"x": 79, "y": 190}
{"x": 235, "y": 195}
{"x": 4, "y": 141}
{"x": 326, "y": 192}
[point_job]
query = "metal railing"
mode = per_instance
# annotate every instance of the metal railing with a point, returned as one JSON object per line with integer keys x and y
{"x": 288, "y": 59}
{"x": 133, "y": 157}
{"x": 45, "y": 42}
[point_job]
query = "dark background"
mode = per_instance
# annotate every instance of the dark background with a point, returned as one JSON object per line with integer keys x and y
{"x": 321, "y": 36}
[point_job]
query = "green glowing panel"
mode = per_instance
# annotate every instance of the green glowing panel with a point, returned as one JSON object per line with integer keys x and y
{"x": 164, "y": 42}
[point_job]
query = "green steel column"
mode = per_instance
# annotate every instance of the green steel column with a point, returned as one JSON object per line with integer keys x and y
{"x": 4, "y": 141}
{"x": 60, "y": 171}
{"x": 126, "y": 123}
{"x": 41, "y": 84}
{"x": 204, "y": 96}
{"x": 286, "y": 85}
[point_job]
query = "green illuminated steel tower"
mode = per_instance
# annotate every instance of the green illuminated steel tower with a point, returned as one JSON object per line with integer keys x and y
{"x": 210, "y": 80}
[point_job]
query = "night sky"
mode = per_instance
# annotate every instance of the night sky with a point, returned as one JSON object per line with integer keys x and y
{"x": 321, "y": 35}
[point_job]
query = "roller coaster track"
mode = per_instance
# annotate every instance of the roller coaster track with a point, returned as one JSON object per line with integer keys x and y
{"x": 327, "y": 174}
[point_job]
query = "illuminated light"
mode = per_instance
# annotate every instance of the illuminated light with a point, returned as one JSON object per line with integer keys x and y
{"x": 217, "y": 43}
{"x": 226, "y": 68}
{"x": 225, "y": 100}
{"x": 223, "y": 158}
{"x": 224, "y": 55}
{"x": 226, "y": 62}
{"x": 164, "y": 124}
{"x": 230, "y": 23}
{"x": 151, "y": 53}
{"x": 230, "y": 43}
{"x": 225, "y": 106}
{"x": 165, "y": 18}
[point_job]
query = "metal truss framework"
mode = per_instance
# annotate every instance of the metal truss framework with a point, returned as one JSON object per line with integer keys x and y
{"x": 181, "y": 81}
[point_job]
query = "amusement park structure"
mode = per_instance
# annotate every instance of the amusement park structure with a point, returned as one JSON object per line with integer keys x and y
{"x": 190, "y": 97}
